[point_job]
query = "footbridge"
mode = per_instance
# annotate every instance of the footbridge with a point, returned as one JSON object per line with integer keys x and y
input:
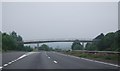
{"x": 83, "y": 41}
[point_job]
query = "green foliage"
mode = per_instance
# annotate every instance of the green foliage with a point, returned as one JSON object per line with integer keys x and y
{"x": 91, "y": 47}
{"x": 76, "y": 45}
{"x": 27, "y": 48}
{"x": 109, "y": 42}
{"x": 0, "y": 41}
{"x": 100, "y": 36}
{"x": 10, "y": 42}
{"x": 83, "y": 55}
{"x": 98, "y": 56}
{"x": 45, "y": 48}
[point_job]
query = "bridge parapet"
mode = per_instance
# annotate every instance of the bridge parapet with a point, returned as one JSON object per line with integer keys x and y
{"x": 57, "y": 40}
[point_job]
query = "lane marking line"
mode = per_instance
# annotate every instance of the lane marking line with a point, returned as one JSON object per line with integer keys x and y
{"x": 21, "y": 57}
{"x": 49, "y": 57}
{"x": 24, "y": 55}
{"x": 14, "y": 60}
{"x": 5, "y": 65}
{"x": 1, "y": 67}
{"x": 55, "y": 62}
{"x": 10, "y": 63}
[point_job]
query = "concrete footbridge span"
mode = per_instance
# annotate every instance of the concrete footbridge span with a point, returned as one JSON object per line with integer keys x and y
{"x": 82, "y": 41}
{"x": 58, "y": 40}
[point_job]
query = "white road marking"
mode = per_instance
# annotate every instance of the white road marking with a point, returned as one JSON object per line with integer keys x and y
{"x": 5, "y": 65}
{"x": 29, "y": 53}
{"x": 1, "y": 67}
{"x": 49, "y": 57}
{"x": 10, "y": 63}
{"x": 55, "y": 62}
{"x": 14, "y": 60}
{"x": 21, "y": 57}
{"x": 26, "y": 54}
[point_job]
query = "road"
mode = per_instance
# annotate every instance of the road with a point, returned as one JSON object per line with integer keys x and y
{"x": 0, "y": 59}
{"x": 9, "y": 56}
{"x": 50, "y": 60}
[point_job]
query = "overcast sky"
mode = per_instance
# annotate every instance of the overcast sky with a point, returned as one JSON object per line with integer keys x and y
{"x": 52, "y": 20}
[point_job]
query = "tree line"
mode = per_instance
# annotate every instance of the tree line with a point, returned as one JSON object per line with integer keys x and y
{"x": 108, "y": 42}
{"x": 10, "y": 42}
{"x": 45, "y": 47}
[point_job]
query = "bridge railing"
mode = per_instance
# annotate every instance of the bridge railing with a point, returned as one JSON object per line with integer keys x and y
{"x": 60, "y": 39}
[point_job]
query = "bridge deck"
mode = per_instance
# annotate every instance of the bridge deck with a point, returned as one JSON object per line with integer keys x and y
{"x": 32, "y": 42}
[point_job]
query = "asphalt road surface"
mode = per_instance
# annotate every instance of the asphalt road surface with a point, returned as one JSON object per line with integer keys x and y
{"x": 50, "y": 60}
{"x": 0, "y": 59}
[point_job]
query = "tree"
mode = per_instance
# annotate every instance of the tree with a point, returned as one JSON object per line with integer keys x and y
{"x": 28, "y": 48}
{"x": 116, "y": 44}
{"x": 76, "y": 45}
{"x": 99, "y": 36}
{"x": 14, "y": 34}
{"x": 20, "y": 45}
{"x": 106, "y": 42}
{"x": 8, "y": 43}
{"x": 95, "y": 45}
{"x": 19, "y": 38}
{"x": 11, "y": 42}
{"x": 44, "y": 47}
{"x": 0, "y": 41}
{"x": 91, "y": 47}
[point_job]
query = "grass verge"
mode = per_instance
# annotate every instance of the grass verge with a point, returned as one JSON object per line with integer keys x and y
{"x": 111, "y": 58}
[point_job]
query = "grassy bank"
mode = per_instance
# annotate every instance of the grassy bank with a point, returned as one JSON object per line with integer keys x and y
{"x": 112, "y": 58}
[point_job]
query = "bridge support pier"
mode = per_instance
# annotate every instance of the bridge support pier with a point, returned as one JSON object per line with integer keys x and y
{"x": 37, "y": 46}
{"x": 83, "y": 44}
